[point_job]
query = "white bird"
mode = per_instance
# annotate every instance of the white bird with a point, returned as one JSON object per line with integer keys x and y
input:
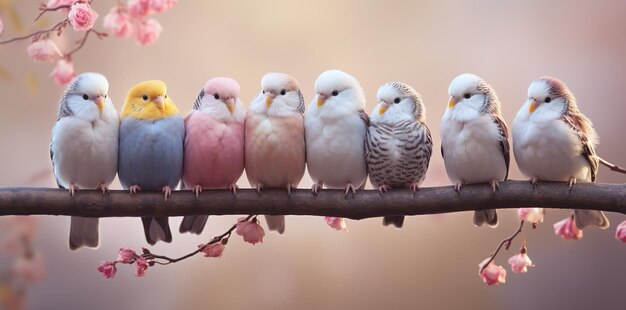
{"x": 474, "y": 139}
{"x": 399, "y": 143}
{"x": 84, "y": 146}
{"x": 554, "y": 141}
{"x": 335, "y": 128}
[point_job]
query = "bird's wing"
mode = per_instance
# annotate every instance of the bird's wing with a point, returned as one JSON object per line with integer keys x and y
{"x": 504, "y": 141}
{"x": 581, "y": 126}
{"x": 366, "y": 119}
{"x": 198, "y": 102}
{"x": 300, "y": 102}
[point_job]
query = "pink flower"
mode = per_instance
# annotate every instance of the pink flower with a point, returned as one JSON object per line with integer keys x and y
{"x": 43, "y": 50}
{"x": 57, "y": 3}
{"x": 567, "y": 229}
{"x": 63, "y": 73}
{"x": 337, "y": 223}
{"x": 142, "y": 266}
{"x": 620, "y": 232}
{"x": 519, "y": 262}
{"x": 213, "y": 250}
{"x": 119, "y": 23}
{"x": 492, "y": 274}
{"x": 162, "y": 5}
{"x": 531, "y": 215}
{"x": 126, "y": 256}
{"x": 138, "y": 9}
{"x": 1, "y": 26}
{"x": 29, "y": 269}
{"x": 82, "y": 16}
{"x": 251, "y": 231}
{"x": 108, "y": 269}
{"x": 148, "y": 32}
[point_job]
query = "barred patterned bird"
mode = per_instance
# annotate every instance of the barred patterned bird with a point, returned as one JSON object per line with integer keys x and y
{"x": 399, "y": 143}
{"x": 554, "y": 141}
{"x": 475, "y": 144}
{"x": 83, "y": 149}
{"x": 274, "y": 132}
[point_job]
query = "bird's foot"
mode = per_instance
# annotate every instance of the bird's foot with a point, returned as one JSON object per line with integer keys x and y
{"x": 233, "y": 188}
{"x": 73, "y": 189}
{"x": 167, "y": 192}
{"x": 315, "y": 188}
{"x": 197, "y": 190}
{"x": 382, "y": 189}
{"x": 350, "y": 188}
{"x": 103, "y": 188}
{"x": 457, "y": 186}
{"x": 289, "y": 187}
{"x": 534, "y": 181}
{"x": 258, "y": 188}
{"x": 414, "y": 187}
{"x": 494, "y": 185}
{"x": 134, "y": 189}
{"x": 571, "y": 183}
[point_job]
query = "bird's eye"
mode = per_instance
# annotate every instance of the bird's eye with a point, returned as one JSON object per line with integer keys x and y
{"x": 334, "y": 93}
{"x": 467, "y": 96}
{"x": 105, "y": 96}
{"x": 216, "y": 96}
{"x": 264, "y": 92}
{"x": 144, "y": 97}
{"x": 85, "y": 97}
{"x": 283, "y": 92}
{"x": 547, "y": 100}
{"x": 397, "y": 100}
{"x": 166, "y": 96}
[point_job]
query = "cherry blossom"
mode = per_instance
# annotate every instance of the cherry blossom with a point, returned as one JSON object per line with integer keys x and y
{"x": 620, "y": 232}
{"x": 29, "y": 268}
{"x": 57, "y": 3}
{"x": 520, "y": 262}
{"x": 161, "y": 5}
{"x": 82, "y": 16}
{"x": 43, "y": 51}
{"x": 138, "y": 9}
{"x": 492, "y": 274}
{"x": 531, "y": 215}
{"x": 567, "y": 229}
{"x": 337, "y": 223}
{"x": 1, "y": 26}
{"x": 251, "y": 231}
{"x": 63, "y": 72}
{"x": 142, "y": 266}
{"x": 107, "y": 269}
{"x": 213, "y": 250}
{"x": 118, "y": 22}
{"x": 126, "y": 256}
{"x": 148, "y": 32}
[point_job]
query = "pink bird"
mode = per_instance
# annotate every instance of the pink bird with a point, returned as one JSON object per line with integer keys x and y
{"x": 214, "y": 143}
{"x": 275, "y": 150}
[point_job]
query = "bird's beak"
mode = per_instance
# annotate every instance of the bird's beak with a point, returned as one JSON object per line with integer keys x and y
{"x": 269, "y": 98}
{"x": 383, "y": 107}
{"x": 159, "y": 102}
{"x": 453, "y": 101}
{"x": 321, "y": 98}
{"x": 100, "y": 103}
{"x": 230, "y": 104}
{"x": 533, "y": 105}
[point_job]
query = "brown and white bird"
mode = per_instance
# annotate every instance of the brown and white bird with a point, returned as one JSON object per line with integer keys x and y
{"x": 475, "y": 145}
{"x": 399, "y": 143}
{"x": 274, "y": 138}
{"x": 554, "y": 141}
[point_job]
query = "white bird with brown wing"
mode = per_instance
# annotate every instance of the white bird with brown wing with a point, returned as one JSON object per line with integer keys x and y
{"x": 554, "y": 141}
{"x": 399, "y": 143}
{"x": 474, "y": 139}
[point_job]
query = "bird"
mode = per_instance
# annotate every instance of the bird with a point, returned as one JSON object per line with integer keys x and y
{"x": 336, "y": 126}
{"x": 83, "y": 148}
{"x": 554, "y": 141}
{"x": 274, "y": 133}
{"x": 152, "y": 134}
{"x": 399, "y": 143}
{"x": 475, "y": 139}
{"x": 214, "y": 143}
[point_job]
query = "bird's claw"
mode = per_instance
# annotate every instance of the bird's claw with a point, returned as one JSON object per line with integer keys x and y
{"x": 315, "y": 188}
{"x": 289, "y": 186}
{"x": 103, "y": 188}
{"x": 233, "y": 188}
{"x": 494, "y": 185}
{"x": 73, "y": 189}
{"x": 134, "y": 189}
{"x": 167, "y": 192}
{"x": 534, "y": 182}
{"x": 414, "y": 187}
{"x": 196, "y": 190}
{"x": 382, "y": 189}
{"x": 457, "y": 186}
{"x": 258, "y": 189}
{"x": 350, "y": 188}
{"x": 571, "y": 183}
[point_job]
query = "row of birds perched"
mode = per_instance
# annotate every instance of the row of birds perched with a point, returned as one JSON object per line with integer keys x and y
{"x": 152, "y": 147}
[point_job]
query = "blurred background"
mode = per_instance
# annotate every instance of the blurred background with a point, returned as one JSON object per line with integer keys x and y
{"x": 433, "y": 261}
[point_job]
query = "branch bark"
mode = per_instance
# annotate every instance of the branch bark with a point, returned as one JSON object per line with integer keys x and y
{"x": 365, "y": 204}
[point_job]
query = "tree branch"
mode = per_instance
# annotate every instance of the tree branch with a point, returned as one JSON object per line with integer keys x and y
{"x": 365, "y": 204}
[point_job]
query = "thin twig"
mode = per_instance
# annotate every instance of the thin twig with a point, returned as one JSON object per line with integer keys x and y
{"x": 611, "y": 166}
{"x": 82, "y": 41}
{"x": 45, "y": 9}
{"x": 215, "y": 239}
{"x": 506, "y": 241}
{"x": 59, "y": 25}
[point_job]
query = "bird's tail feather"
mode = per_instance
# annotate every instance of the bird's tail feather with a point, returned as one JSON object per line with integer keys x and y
{"x": 193, "y": 224}
{"x": 156, "y": 228}
{"x": 397, "y": 221}
{"x": 489, "y": 217}
{"x": 276, "y": 223}
{"x": 585, "y": 218}
{"x": 84, "y": 232}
